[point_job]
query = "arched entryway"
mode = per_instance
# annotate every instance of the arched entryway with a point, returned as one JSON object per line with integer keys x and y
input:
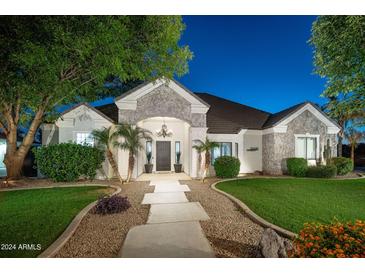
{"x": 170, "y": 136}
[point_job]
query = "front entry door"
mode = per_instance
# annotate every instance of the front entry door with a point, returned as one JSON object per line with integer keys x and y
{"x": 163, "y": 156}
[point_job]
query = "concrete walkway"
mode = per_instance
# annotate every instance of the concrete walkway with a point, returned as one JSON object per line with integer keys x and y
{"x": 172, "y": 229}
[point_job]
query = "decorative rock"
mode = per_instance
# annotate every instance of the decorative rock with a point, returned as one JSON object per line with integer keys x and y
{"x": 272, "y": 245}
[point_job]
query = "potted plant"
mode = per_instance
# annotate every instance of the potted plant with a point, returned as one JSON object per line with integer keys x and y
{"x": 148, "y": 167}
{"x": 178, "y": 166}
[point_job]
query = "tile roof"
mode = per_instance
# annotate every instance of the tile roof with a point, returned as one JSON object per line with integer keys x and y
{"x": 225, "y": 116}
{"x": 110, "y": 110}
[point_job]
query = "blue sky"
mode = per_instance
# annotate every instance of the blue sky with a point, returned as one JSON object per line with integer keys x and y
{"x": 261, "y": 61}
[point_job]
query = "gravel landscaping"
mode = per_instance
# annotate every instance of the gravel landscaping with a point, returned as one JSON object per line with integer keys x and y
{"x": 103, "y": 236}
{"x": 229, "y": 231}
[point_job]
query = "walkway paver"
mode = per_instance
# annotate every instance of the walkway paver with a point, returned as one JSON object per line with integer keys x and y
{"x": 164, "y": 198}
{"x": 172, "y": 229}
{"x": 169, "y": 240}
{"x": 162, "y": 182}
{"x": 171, "y": 188}
{"x": 181, "y": 212}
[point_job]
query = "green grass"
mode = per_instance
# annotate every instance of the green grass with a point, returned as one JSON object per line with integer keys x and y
{"x": 39, "y": 216}
{"x": 290, "y": 203}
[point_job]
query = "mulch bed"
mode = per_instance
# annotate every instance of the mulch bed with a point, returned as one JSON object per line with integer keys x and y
{"x": 230, "y": 232}
{"x": 103, "y": 236}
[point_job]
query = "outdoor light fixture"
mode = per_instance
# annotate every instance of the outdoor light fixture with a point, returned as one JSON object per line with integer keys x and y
{"x": 164, "y": 132}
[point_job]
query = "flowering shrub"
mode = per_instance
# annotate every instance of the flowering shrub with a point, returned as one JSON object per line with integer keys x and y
{"x": 336, "y": 240}
{"x": 112, "y": 204}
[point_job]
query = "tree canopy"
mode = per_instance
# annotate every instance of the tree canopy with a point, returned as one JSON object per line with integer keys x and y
{"x": 339, "y": 53}
{"x": 339, "y": 57}
{"x": 46, "y": 61}
{"x": 56, "y": 60}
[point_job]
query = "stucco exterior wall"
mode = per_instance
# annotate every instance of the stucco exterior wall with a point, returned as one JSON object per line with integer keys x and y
{"x": 277, "y": 147}
{"x": 81, "y": 119}
{"x": 252, "y": 153}
{"x": 162, "y": 102}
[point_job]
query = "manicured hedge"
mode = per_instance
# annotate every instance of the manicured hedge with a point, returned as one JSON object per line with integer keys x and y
{"x": 68, "y": 162}
{"x": 297, "y": 167}
{"x": 328, "y": 171}
{"x": 336, "y": 240}
{"x": 344, "y": 165}
{"x": 227, "y": 167}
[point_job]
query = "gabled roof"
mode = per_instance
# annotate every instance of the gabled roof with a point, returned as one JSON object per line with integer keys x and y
{"x": 161, "y": 81}
{"x": 88, "y": 106}
{"x": 110, "y": 110}
{"x": 225, "y": 116}
{"x": 278, "y": 117}
{"x": 281, "y": 115}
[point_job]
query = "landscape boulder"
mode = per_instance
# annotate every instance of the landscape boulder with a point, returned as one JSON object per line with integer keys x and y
{"x": 273, "y": 246}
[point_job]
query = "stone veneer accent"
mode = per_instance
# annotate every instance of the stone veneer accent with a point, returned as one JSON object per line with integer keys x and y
{"x": 163, "y": 101}
{"x": 277, "y": 147}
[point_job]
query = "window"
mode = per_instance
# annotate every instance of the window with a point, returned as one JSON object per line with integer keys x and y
{"x": 84, "y": 138}
{"x": 224, "y": 149}
{"x": 236, "y": 149}
{"x": 177, "y": 150}
{"x": 306, "y": 147}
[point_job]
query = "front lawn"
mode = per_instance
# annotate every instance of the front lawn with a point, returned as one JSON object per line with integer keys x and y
{"x": 290, "y": 203}
{"x": 39, "y": 216}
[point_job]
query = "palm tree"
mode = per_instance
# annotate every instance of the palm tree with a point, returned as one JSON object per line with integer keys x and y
{"x": 199, "y": 150}
{"x": 132, "y": 137}
{"x": 206, "y": 147}
{"x": 104, "y": 141}
{"x": 353, "y": 136}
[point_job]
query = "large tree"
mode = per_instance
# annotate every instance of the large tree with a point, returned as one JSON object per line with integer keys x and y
{"x": 46, "y": 61}
{"x": 339, "y": 57}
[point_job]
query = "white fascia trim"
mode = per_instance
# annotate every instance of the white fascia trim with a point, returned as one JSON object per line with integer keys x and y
{"x": 130, "y": 101}
{"x": 275, "y": 129}
{"x": 333, "y": 130}
{"x": 314, "y": 111}
{"x": 251, "y": 132}
{"x": 68, "y": 121}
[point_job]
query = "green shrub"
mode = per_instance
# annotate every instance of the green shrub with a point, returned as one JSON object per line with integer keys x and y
{"x": 227, "y": 167}
{"x": 328, "y": 171}
{"x": 68, "y": 162}
{"x": 344, "y": 165}
{"x": 297, "y": 167}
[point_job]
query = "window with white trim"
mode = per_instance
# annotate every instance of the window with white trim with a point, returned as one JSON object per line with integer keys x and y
{"x": 306, "y": 147}
{"x": 84, "y": 138}
{"x": 224, "y": 149}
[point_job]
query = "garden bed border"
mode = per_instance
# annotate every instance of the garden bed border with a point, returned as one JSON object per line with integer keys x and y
{"x": 252, "y": 215}
{"x": 71, "y": 228}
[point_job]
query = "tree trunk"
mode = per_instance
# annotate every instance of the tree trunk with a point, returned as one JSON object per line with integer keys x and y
{"x": 14, "y": 157}
{"x": 207, "y": 164}
{"x": 13, "y": 160}
{"x": 353, "y": 155}
{"x": 339, "y": 145}
{"x": 113, "y": 164}
{"x": 199, "y": 164}
{"x": 130, "y": 166}
{"x": 14, "y": 165}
